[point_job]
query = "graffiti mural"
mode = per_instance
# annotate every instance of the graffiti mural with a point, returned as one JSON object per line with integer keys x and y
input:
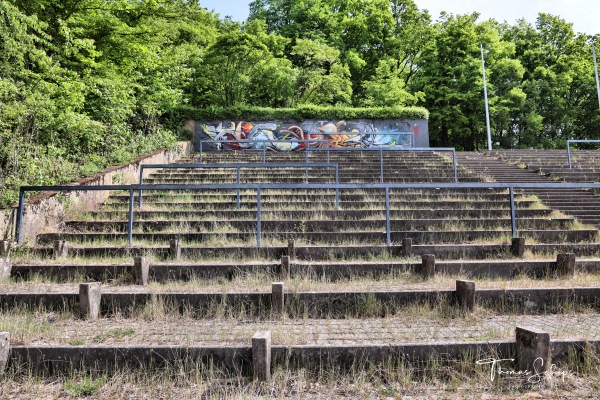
{"x": 287, "y": 136}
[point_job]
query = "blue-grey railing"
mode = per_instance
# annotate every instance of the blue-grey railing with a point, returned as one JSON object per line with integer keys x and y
{"x": 576, "y": 141}
{"x": 239, "y": 167}
{"x": 264, "y": 148}
{"x": 294, "y": 140}
{"x": 381, "y": 149}
{"x": 260, "y": 187}
{"x": 363, "y": 134}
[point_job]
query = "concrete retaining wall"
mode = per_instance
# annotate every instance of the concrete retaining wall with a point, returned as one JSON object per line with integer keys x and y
{"x": 340, "y": 133}
{"x": 57, "y": 359}
{"x": 45, "y": 212}
{"x": 49, "y": 360}
{"x": 332, "y": 270}
{"x": 447, "y": 252}
{"x": 323, "y": 304}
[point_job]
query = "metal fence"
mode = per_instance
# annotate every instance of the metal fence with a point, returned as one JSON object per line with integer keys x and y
{"x": 380, "y": 149}
{"x": 264, "y": 148}
{"x": 576, "y": 141}
{"x": 387, "y": 148}
{"x": 410, "y": 135}
{"x": 239, "y": 167}
{"x": 261, "y": 187}
{"x": 361, "y": 144}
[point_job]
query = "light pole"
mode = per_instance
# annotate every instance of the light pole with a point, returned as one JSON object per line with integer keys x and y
{"x": 487, "y": 108}
{"x": 596, "y": 70}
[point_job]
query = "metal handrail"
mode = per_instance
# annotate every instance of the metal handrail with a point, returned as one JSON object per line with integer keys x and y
{"x": 238, "y": 167}
{"x": 264, "y": 149}
{"x": 576, "y": 141}
{"x": 266, "y": 186}
{"x": 381, "y": 149}
{"x": 378, "y": 133}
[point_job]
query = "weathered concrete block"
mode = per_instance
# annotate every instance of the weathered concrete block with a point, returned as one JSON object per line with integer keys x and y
{"x": 5, "y": 268}
{"x": 428, "y": 266}
{"x": 61, "y": 249}
{"x": 5, "y": 248}
{"x": 285, "y": 267}
{"x": 407, "y": 247}
{"x": 261, "y": 356}
{"x": 517, "y": 247}
{"x": 291, "y": 249}
{"x": 277, "y": 299}
{"x": 465, "y": 294}
{"x": 565, "y": 264}
{"x": 533, "y": 350}
{"x": 174, "y": 249}
{"x": 4, "y": 350}
{"x": 141, "y": 267}
{"x": 89, "y": 300}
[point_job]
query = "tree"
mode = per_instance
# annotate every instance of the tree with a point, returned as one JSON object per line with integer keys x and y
{"x": 322, "y": 78}
{"x": 388, "y": 87}
{"x": 84, "y": 83}
{"x": 230, "y": 66}
{"x": 450, "y": 76}
{"x": 558, "y": 80}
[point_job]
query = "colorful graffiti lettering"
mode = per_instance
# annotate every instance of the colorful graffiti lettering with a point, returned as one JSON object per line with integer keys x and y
{"x": 279, "y": 136}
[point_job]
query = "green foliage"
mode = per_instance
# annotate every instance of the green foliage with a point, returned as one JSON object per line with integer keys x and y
{"x": 252, "y": 113}
{"x": 85, "y": 386}
{"x": 389, "y": 87}
{"x": 451, "y": 79}
{"x": 540, "y": 78}
{"x": 85, "y": 84}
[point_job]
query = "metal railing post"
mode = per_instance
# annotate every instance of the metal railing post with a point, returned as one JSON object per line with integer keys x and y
{"x": 130, "y": 218}
{"x": 306, "y": 155}
{"x": 141, "y": 183}
{"x": 513, "y": 220}
{"x": 264, "y": 154}
{"x": 327, "y": 155}
{"x": 337, "y": 190}
{"x": 238, "y": 190}
{"x": 381, "y": 165}
{"x": 569, "y": 148}
{"x": 11, "y": 224}
{"x": 20, "y": 216}
{"x": 454, "y": 163}
{"x": 388, "y": 233}
{"x": 258, "y": 222}
{"x": 306, "y": 174}
{"x": 200, "y": 151}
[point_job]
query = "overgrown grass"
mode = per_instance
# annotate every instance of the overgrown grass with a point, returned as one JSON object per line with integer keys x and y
{"x": 437, "y": 377}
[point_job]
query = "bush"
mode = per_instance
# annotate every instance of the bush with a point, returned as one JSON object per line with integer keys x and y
{"x": 299, "y": 113}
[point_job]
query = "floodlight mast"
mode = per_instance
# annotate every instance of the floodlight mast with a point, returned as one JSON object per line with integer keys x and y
{"x": 596, "y": 70}
{"x": 487, "y": 108}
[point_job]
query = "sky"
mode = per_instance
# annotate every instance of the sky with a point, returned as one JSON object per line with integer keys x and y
{"x": 584, "y": 14}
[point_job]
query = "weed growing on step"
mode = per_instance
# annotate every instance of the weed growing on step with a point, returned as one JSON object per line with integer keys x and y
{"x": 84, "y": 385}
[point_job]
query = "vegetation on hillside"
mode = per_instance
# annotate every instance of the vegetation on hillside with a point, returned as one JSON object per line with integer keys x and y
{"x": 89, "y": 83}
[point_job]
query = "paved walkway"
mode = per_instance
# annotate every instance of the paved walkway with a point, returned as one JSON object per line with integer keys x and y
{"x": 403, "y": 329}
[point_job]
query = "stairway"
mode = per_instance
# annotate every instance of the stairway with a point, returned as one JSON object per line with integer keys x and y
{"x": 582, "y": 204}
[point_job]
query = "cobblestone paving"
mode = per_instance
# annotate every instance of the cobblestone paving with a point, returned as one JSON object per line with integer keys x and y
{"x": 404, "y": 329}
